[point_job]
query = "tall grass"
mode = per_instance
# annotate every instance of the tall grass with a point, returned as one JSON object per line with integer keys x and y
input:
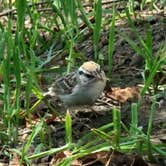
{"x": 117, "y": 127}
{"x": 27, "y": 146}
{"x": 134, "y": 118}
{"x": 11, "y": 107}
{"x": 66, "y": 10}
{"x": 108, "y": 137}
{"x": 97, "y": 26}
{"x": 152, "y": 113}
{"x": 14, "y": 65}
{"x": 111, "y": 41}
{"x": 20, "y": 65}
{"x": 153, "y": 63}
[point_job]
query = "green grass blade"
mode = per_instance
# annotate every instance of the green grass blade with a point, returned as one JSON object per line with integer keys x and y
{"x": 57, "y": 8}
{"x": 72, "y": 10}
{"x": 149, "y": 39}
{"x": 17, "y": 71}
{"x": 84, "y": 15}
{"x": 147, "y": 51}
{"x": 21, "y": 6}
{"x": 132, "y": 43}
{"x": 149, "y": 60}
{"x": 152, "y": 112}
{"x": 149, "y": 80}
{"x": 131, "y": 6}
{"x": 70, "y": 57}
{"x": 7, "y": 65}
{"x": 111, "y": 41}
{"x": 49, "y": 152}
{"x": 101, "y": 134}
{"x": 35, "y": 30}
{"x": 28, "y": 91}
{"x": 117, "y": 127}
{"x": 134, "y": 118}
{"x": 2, "y": 45}
{"x": 90, "y": 136}
{"x": 68, "y": 128}
{"x": 97, "y": 27}
{"x": 160, "y": 150}
{"x": 34, "y": 133}
{"x": 2, "y": 67}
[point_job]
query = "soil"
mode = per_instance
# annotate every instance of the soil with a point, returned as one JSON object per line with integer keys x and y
{"x": 123, "y": 89}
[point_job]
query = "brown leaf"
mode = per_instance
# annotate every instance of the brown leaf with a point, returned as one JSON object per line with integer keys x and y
{"x": 124, "y": 95}
{"x": 15, "y": 161}
{"x": 58, "y": 158}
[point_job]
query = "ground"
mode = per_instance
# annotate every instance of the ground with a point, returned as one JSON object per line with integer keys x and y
{"x": 123, "y": 88}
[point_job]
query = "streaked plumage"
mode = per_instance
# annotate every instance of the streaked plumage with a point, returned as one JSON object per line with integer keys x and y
{"x": 82, "y": 87}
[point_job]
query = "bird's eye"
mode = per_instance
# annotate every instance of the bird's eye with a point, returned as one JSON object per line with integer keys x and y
{"x": 89, "y": 76}
{"x": 81, "y": 72}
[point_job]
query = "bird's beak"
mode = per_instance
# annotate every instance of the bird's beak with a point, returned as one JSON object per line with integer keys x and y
{"x": 100, "y": 76}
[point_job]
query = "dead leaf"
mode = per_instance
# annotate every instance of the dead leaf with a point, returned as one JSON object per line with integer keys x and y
{"x": 58, "y": 158}
{"x": 124, "y": 95}
{"x": 15, "y": 161}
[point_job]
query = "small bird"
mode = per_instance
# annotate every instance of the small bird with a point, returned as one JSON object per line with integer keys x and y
{"x": 82, "y": 87}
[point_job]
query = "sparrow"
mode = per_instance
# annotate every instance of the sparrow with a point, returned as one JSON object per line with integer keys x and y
{"x": 82, "y": 87}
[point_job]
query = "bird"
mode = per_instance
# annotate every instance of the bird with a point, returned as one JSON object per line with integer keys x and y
{"x": 82, "y": 87}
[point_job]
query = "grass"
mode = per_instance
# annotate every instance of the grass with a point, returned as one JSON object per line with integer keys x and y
{"x": 111, "y": 41}
{"x": 97, "y": 26}
{"x": 21, "y": 66}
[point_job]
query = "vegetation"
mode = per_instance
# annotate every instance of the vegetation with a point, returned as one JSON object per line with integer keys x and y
{"x": 42, "y": 37}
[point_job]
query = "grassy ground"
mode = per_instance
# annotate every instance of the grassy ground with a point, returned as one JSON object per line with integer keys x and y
{"x": 42, "y": 40}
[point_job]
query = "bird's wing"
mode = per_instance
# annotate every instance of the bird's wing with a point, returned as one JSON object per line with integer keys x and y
{"x": 65, "y": 84}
